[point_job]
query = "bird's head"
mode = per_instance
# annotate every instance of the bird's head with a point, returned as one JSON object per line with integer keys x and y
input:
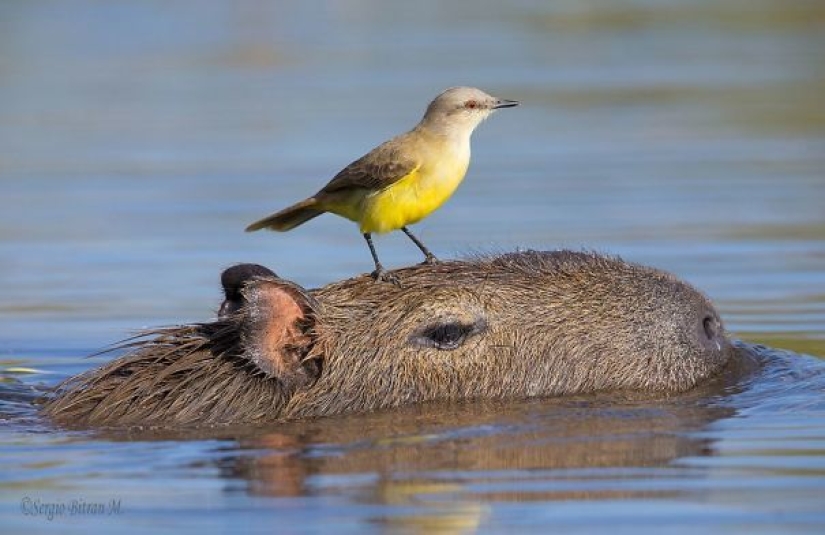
{"x": 461, "y": 109}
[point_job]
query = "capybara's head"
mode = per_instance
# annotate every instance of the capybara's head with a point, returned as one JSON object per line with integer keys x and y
{"x": 513, "y": 326}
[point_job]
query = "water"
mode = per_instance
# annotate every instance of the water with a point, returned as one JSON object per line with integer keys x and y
{"x": 140, "y": 138}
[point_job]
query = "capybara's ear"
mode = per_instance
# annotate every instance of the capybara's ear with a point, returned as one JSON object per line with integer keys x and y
{"x": 278, "y": 330}
{"x": 233, "y": 281}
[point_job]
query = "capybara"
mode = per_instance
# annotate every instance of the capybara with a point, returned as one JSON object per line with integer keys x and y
{"x": 517, "y": 325}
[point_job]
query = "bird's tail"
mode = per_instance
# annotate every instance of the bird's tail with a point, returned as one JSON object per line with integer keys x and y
{"x": 289, "y": 218}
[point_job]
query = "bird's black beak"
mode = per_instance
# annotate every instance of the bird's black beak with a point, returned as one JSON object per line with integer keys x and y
{"x": 502, "y": 103}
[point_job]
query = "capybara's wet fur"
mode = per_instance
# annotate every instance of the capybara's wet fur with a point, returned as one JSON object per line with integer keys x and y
{"x": 514, "y": 326}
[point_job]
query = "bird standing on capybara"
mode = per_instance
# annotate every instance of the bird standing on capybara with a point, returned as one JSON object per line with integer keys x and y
{"x": 403, "y": 180}
{"x": 513, "y": 326}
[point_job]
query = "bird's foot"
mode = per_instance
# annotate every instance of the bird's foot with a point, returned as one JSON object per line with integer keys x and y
{"x": 430, "y": 260}
{"x": 382, "y": 275}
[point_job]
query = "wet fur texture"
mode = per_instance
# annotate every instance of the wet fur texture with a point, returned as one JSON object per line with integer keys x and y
{"x": 513, "y": 326}
{"x": 191, "y": 374}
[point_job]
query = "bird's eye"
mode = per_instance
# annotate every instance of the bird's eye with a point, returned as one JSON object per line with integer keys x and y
{"x": 447, "y": 335}
{"x": 471, "y": 104}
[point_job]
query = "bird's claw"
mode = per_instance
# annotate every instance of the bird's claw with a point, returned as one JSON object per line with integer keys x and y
{"x": 382, "y": 275}
{"x": 429, "y": 260}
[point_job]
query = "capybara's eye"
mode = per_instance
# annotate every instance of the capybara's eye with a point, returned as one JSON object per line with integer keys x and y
{"x": 447, "y": 335}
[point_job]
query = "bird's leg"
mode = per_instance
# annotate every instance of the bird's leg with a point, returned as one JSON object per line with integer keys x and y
{"x": 380, "y": 274}
{"x": 429, "y": 257}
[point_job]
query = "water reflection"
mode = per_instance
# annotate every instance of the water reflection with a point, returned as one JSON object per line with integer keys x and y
{"x": 444, "y": 467}
{"x": 465, "y": 443}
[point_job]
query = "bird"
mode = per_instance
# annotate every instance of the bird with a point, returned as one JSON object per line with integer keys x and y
{"x": 403, "y": 180}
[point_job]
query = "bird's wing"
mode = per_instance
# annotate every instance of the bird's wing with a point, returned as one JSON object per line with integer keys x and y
{"x": 382, "y": 167}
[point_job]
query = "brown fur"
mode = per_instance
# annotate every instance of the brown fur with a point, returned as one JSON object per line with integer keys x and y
{"x": 513, "y": 326}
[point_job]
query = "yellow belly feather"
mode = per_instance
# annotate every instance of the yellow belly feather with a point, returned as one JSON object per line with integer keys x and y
{"x": 412, "y": 198}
